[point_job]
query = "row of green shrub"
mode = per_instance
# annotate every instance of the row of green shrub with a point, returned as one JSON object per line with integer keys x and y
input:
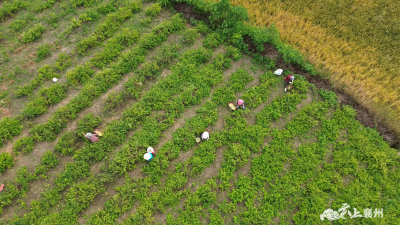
{"x": 9, "y": 127}
{"x": 46, "y": 72}
{"x": 109, "y": 26}
{"x": 67, "y": 144}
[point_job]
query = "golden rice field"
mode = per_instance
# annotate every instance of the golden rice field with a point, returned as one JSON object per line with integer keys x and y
{"x": 356, "y": 42}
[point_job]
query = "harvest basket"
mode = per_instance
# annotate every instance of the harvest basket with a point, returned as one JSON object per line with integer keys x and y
{"x": 232, "y": 106}
{"x": 289, "y": 87}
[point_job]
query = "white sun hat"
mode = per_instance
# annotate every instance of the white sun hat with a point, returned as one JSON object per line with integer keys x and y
{"x": 278, "y": 71}
{"x": 150, "y": 150}
{"x": 147, "y": 156}
{"x": 89, "y": 135}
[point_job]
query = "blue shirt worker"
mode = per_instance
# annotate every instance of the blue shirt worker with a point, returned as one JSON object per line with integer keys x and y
{"x": 148, "y": 156}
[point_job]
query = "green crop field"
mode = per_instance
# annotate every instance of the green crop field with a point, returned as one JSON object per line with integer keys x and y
{"x": 159, "y": 73}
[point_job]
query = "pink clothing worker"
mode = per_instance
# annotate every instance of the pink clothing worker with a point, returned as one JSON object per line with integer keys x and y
{"x": 240, "y": 103}
{"x": 91, "y": 137}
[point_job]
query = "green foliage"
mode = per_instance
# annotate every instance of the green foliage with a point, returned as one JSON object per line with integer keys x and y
{"x": 109, "y": 26}
{"x": 86, "y": 3}
{"x": 164, "y": 3}
{"x": 106, "y": 8}
{"x": 9, "y": 128}
{"x": 7, "y": 9}
{"x": 32, "y": 34}
{"x": 190, "y": 35}
{"x": 113, "y": 101}
{"x": 62, "y": 62}
{"x": 43, "y": 51}
{"x": 212, "y": 40}
{"x": 46, "y": 96}
{"x": 88, "y": 123}
{"x": 24, "y": 144}
{"x": 44, "y": 73}
{"x": 48, "y": 161}
{"x": 68, "y": 143}
{"x": 221, "y": 62}
{"x": 89, "y": 15}
{"x": 6, "y": 161}
{"x": 236, "y": 83}
{"x": 153, "y": 10}
{"x": 329, "y": 97}
{"x": 114, "y": 47}
{"x": 51, "y": 19}
{"x": 233, "y": 52}
{"x": 17, "y": 25}
{"x": 202, "y": 27}
{"x": 80, "y": 75}
{"x": 235, "y": 157}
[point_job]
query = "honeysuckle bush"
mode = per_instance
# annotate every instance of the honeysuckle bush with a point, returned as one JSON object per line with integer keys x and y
{"x": 15, "y": 188}
{"x": 109, "y": 26}
{"x": 81, "y": 74}
{"x": 254, "y": 96}
{"x": 153, "y": 10}
{"x": 9, "y": 127}
{"x": 46, "y": 97}
{"x": 88, "y": 123}
{"x": 114, "y": 46}
{"x": 151, "y": 69}
{"x": 236, "y": 83}
{"x": 32, "y": 34}
{"x": 68, "y": 143}
{"x": 48, "y": 161}
{"x": 6, "y": 161}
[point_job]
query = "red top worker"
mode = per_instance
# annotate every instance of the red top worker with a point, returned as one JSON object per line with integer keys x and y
{"x": 288, "y": 80}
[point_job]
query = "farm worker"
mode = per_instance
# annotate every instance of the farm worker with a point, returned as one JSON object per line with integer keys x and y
{"x": 91, "y": 137}
{"x": 288, "y": 80}
{"x": 148, "y": 156}
{"x": 240, "y": 103}
{"x": 205, "y": 135}
{"x": 151, "y": 150}
{"x": 1, "y": 187}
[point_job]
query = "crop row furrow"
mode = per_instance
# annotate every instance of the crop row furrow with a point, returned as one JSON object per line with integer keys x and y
{"x": 97, "y": 85}
{"x": 183, "y": 140}
{"x": 149, "y": 134}
{"x": 235, "y": 156}
{"x": 203, "y": 157}
{"x": 167, "y": 27}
